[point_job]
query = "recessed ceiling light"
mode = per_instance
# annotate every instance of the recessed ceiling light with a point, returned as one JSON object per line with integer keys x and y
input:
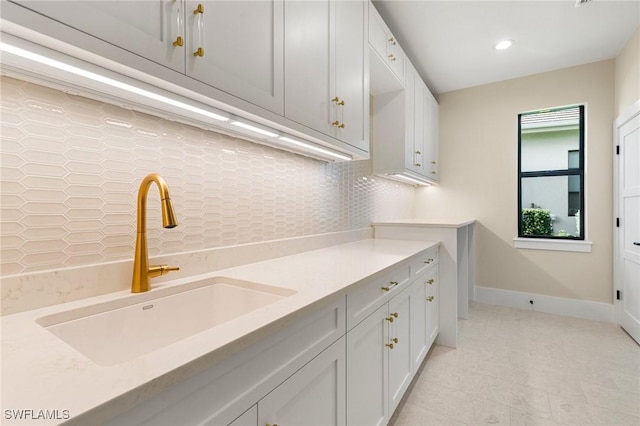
{"x": 503, "y": 44}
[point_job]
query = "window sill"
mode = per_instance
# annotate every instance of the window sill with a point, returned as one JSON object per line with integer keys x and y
{"x": 554, "y": 245}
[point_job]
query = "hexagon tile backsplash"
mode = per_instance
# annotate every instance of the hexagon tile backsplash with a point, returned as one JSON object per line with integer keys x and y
{"x": 70, "y": 168}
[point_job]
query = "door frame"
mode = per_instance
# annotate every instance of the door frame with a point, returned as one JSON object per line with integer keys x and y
{"x": 626, "y": 115}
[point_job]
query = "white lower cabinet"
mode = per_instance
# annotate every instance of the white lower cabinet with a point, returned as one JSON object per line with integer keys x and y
{"x": 380, "y": 357}
{"x": 368, "y": 370}
{"x": 386, "y": 349}
{"x": 347, "y": 363}
{"x": 315, "y": 395}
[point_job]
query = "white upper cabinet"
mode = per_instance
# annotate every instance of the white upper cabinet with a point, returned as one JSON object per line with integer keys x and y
{"x": 153, "y": 29}
{"x": 385, "y": 45}
{"x": 327, "y": 88}
{"x": 237, "y": 47}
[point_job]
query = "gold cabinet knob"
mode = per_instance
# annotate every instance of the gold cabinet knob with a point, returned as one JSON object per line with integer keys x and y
{"x": 428, "y": 261}
{"x": 433, "y": 162}
{"x": 179, "y": 42}
{"x": 389, "y": 345}
{"x": 390, "y": 319}
{"x": 433, "y": 173}
{"x": 394, "y": 314}
{"x": 392, "y": 41}
{"x": 336, "y": 99}
{"x": 430, "y": 282}
{"x": 391, "y": 57}
{"x": 418, "y": 164}
{"x": 199, "y": 9}
{"x": 341, "y": 103}
{"x": 341, "y": 126}
{"x": 430, "y": 299}
{"x": 395, "y": 340}
{"x": 338, "y": 124}
{"x": 418, "y": 152}
{"x": 199, "y": 52}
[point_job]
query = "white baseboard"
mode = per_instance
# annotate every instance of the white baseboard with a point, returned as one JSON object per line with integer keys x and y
{"x": 585, "y": 309}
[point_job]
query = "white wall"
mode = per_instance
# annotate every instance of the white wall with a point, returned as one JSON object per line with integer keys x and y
{"x": 478, "y": 157}
{"x": 71, "y": 168}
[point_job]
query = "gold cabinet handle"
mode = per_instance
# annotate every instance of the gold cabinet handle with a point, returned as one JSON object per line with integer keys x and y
{"x": 341, "y": 126}
{"x": 433, "y": 162}
{"x": 428, "y": 261}
{"x": 391, "y": 57}
{"x": 390, "y": 319}
{"x": 199, "y": 52}
{"x": 430, "y": 282}
{"x": 392, "y": 41}
{"x": 199, "y": 9}
{"x": 418, "y": 164}
{"x": 430, "y": 299}
{"x": 389, "y": 345}
{"x": 394, "y": 314}
{"x": 338, "y": 101}
{"x": 418, "y": 152}
{"x": 335, "y": 123}
{"x": 433, "y": 173}
{"x": 391, "y": 284}
{"x": 179, "y": 42}
{"x": 395, "y": 340}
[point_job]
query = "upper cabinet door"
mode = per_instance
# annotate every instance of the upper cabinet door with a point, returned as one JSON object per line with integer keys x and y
{"x": 151, "y": 29}
{"x": 352, "y": 70}
{"x": 309, "y": 36}
{"x": 326, "y": 64}
{"x": 237, "y": 47}
{"x": 431, "y": 111}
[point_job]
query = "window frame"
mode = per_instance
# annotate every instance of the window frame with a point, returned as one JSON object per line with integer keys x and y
{"x": 553, "y": 173}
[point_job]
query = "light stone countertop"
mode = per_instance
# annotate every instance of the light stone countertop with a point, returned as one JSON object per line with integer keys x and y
{"x": 437, "y": 223}
{"x": 41, "y": 372}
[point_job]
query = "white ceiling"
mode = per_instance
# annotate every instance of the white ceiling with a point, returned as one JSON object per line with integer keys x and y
{"x": 451, "y": 42}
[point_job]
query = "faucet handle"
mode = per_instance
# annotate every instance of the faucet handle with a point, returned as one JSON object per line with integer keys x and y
{"x": 158, "y": 270}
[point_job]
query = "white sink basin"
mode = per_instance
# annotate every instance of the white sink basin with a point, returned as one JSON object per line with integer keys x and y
{"x": 117, "y": 331}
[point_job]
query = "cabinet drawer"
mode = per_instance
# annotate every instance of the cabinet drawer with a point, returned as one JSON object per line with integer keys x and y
{"x": 366, "y": 299}
{"x": 223, "y": 392}
{"x": 377, "y": 32}
{"x": 424, "y": 262}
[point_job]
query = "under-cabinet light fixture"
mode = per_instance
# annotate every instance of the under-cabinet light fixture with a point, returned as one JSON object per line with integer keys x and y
{"x": 315, "y": 148}
{"x": 408, "y": 179}
{"x": 7, "y": 48}
{"x": 254, "y": 128}
{"x": 28, "y": 59}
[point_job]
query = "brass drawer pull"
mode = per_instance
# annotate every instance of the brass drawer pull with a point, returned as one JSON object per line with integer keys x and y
{"x": 428, "y": 261}
{"x": 391, "y": 284}
{"x": 394, "y": 314}
{"x": 179, "y": 42}
{"x": 389, "y": 345}
{"x": 199, "y": 52}
{"x": 430, "y": 282}
{"x": 390, "y": 319}
{"x": 200, "y": 9}
{"x": 430, "y": 299}
{"x": 395, "y": 340}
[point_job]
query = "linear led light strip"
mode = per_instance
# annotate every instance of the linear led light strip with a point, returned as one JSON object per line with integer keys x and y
{"x": 106, "y": 80}
{"x": 408, "y": 179}
{"x": 4, "y": 47}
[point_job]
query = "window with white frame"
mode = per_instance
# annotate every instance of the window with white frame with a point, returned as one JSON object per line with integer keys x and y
{"x": 551, "y": 173}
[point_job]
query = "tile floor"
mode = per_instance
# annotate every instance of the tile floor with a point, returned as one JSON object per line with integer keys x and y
{"x": 519, "y": 367}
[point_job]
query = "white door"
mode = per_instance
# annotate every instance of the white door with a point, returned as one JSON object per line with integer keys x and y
{"x": 367, "y": 371}
{"x": 308, "y": 65}
{"x": 149, "y": 28}
{"x": 242, "y": 49}
{"x": 315, "y": 395}
{"x": 400, "y": 357}
{"x": 628, "y": 258}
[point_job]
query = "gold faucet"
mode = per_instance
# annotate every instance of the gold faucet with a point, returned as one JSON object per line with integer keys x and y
{"x": 141, "y": 269}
